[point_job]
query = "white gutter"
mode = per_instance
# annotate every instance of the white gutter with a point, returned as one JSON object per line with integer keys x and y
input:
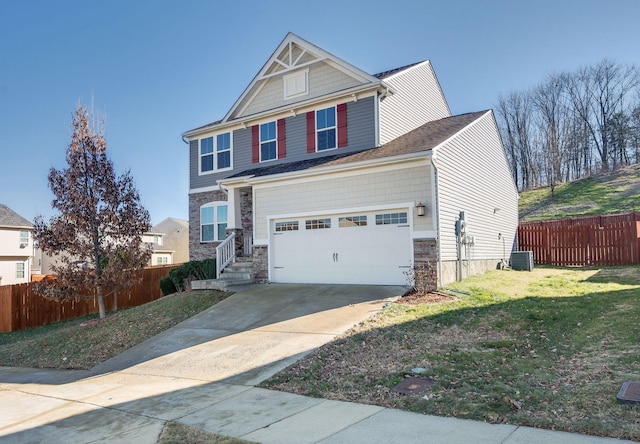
{"x": 437, "y": 213}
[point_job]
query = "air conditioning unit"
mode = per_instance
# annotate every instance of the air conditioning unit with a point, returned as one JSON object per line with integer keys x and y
{"x": 522, "y": 260}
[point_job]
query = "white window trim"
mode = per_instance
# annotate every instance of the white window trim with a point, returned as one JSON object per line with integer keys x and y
{"x": 215, "y": 206}
{"x": 24, "y": 270}
{"x": 289, "y": 79}
{"x": 260, "y": 141}
{"x": 215, "y": 154}
{"x": 335, "y": 127}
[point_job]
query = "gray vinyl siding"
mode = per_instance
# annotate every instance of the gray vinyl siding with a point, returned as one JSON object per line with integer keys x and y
{"x": 417, "y": 100}
{"x": 473, "y": 176}
{"x": 360, "y": 135}
{"x": 323, "y": 80}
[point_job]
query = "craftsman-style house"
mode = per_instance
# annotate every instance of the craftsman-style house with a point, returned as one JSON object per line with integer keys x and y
{"x": 323, "y": 173}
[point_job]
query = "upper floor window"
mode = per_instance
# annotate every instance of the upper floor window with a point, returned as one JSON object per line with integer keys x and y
{"x": 215, "y": 153}
{"x": 223, "y": 151}
{"x": 24, "y": 237}
{"x": 156, "y": 240}
{"x": 326, "y": 128}
{"x": 268, "y": 141}
{"x": 213, "y": 222}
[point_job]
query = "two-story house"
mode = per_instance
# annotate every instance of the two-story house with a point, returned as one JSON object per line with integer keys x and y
{"x": 16, "y": 247}
{"x": 175, "y": 237}
{"x": 160, "y": 254}
{"x": 327, "y": 174}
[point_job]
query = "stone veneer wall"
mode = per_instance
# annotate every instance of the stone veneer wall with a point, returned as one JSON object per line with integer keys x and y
{"x": 199, "y": 250}
{"x": 261, "y": 263}
{"x": 425, "y": 259}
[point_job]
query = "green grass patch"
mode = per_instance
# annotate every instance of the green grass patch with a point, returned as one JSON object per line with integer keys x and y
{"x": 85, "y": 342}
{"x": 617, "y": 192}
{"x": 548, "y": 348}
{"x": 176, "y": 433}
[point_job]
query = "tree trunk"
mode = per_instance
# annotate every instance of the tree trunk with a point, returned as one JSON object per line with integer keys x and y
{"x": 100, "y": 297}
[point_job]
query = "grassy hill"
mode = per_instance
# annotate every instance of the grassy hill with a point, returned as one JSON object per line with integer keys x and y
{"x": 617, "y": 192}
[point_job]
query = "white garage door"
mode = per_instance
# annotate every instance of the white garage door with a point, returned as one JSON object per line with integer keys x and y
{"x": 365, "y": 248}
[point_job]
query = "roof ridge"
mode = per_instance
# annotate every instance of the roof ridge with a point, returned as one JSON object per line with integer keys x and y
{"x": 390, "y": 72}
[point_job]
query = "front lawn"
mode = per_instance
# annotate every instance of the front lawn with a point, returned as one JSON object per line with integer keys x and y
{"x": 549, "y": 348}
{"x": 85, "y": 342}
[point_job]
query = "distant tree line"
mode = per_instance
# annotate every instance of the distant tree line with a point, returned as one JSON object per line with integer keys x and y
{"x": 572, "y": 125}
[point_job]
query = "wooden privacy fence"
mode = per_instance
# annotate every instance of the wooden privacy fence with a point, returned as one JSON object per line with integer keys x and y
{"x": 593, "y": 240}
{"x": 21, "y": 308}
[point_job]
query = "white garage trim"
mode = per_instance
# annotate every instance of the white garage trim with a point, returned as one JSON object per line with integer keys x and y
{"x": 409, "y": 206}
{"x": 306, "y": 253}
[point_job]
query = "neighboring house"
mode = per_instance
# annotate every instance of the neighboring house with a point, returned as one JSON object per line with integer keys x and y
{"x": 338, "y": 176}
{"x": 176, "y": 237}
{"x": 160, "y": 254}
{"x": 16, "y": 247}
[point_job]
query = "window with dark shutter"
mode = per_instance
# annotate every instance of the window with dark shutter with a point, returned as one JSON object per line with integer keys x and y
{"x": 342, "y": 125}
{"x": 282, "y": 136}
{"x": 255, "y": 144}
{"x": 311, "y": 132}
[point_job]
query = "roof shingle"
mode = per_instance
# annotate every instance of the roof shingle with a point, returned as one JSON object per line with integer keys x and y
{"x": 9, "y": 218}
{"x": 423, "y": 138}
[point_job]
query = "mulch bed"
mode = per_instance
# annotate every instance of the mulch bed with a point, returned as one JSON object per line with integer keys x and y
{"x": 432, "y": 297}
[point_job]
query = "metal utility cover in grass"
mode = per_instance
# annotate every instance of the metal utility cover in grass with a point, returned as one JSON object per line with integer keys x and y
{"x": 413, "y": 385}
{"x": 629, "y": 393}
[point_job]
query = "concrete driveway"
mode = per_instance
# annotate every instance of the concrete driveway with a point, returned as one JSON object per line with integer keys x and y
{"x": 214, "y": 356}
{"x": 202, "y": 373}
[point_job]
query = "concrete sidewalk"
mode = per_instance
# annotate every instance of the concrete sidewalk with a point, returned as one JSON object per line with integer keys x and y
{"x": 203, "y": 373}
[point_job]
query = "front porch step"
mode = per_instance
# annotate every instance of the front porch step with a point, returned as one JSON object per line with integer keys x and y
{"x": 238, "y": 273}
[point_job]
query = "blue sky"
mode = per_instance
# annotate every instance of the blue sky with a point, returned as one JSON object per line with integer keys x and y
{"x": 155, "y": 69}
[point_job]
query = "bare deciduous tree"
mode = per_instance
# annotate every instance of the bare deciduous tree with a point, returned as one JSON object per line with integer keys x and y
{"x": 572, "y": 124}
{"x": 598, "y": 92}
{"x": 97, "y": 237}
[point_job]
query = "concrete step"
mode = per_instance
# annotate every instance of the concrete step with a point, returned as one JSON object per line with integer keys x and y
{"x": 237, "y": 273}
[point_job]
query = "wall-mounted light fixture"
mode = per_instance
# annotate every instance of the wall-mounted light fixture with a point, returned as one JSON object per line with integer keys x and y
{"x": 420, "y": 209}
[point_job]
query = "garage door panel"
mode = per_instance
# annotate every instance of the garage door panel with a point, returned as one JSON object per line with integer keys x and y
{"x": 370, "y": 254}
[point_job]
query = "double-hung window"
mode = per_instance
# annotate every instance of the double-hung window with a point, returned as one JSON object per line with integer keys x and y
{"x": 215, "y": 153}
{"x": 268, "y": 141}
{"x": 213, "y": 222}
{"x": 206, "y": 155}
{"x": 326, "y": 128}
{"x": 24, "y": 238}
{"x": 223, "y": 151}
{"x": 20, "y": 270}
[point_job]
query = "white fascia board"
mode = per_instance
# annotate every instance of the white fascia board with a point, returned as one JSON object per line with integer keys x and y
{"x": 204, "y": 189}
{"x": 384, "y": 163}
{"x": 434, "y": 150}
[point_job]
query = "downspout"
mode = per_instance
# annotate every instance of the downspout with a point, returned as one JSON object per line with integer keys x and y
{"x": 437, "y": 213}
